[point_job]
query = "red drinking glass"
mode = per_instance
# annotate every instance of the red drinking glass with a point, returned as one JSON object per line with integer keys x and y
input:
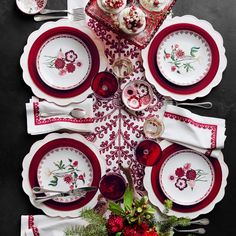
{"x": 112, "y": 186}
{"x": 148, "y": 152}
{"x": 104, "y": 84}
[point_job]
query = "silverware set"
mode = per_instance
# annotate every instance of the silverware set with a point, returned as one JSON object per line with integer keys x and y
{"x": 202, "y": 222}
{"x": 76, "y": 14}
{"x": 79, "y": 192}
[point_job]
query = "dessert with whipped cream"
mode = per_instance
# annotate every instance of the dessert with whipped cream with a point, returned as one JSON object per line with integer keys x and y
{"x": 155, "y": 5}
{"x": 112, "y": 6}
{"x": 132, "y": 20}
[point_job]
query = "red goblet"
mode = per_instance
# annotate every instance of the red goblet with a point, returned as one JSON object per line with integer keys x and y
{"x": 104, "y": 84}
{"x": 148, "y": 152}
{"x": 112, "y": 186}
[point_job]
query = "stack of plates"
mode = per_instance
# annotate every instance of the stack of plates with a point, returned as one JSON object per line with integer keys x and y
{"x": 61, "y": 162}
{"x": 60, "y": 61}
{"x": 193, "y": 181}
{"x": 185, "y": 59}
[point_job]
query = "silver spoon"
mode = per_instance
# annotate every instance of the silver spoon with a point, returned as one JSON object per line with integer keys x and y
{"x": 76, "y": 113}
{"x": 203, "y": 221}
{"x": 195, "y": 231}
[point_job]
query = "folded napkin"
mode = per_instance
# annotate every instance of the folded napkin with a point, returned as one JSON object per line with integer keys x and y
{"x": 47, "y": 226}
{"x": 204, "y": 134}
{"x": 40, "y": 125}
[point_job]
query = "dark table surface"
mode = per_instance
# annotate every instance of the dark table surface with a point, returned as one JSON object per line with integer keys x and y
{"x": 15, "y": 143}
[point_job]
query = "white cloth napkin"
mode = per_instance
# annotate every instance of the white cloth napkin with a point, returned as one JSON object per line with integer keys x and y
{"x": 40, "y": 125}
{"x": 204, "y": 134}
{"x": 47, "y": 226}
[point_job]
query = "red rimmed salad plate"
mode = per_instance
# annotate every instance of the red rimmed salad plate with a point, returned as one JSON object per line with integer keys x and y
{"x": 63, "y": 162}
{"x": 193, "y": 181}
{"x": 185, "y": 59}
{"x": 60, "y": 61}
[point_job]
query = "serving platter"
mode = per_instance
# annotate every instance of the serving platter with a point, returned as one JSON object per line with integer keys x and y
{"x": 63, "y": 162}
{"x": 202, "y": 199}
{"x": 60, "y": 61}
{"x": 212, "y": 59}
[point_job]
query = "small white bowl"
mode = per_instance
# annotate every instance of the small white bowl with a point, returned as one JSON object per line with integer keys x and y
{"x": 137, "y": 95}
{"x": 31, "y": 6}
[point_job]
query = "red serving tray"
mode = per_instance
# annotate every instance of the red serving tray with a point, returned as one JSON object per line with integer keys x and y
{"x": 153, "y": 21}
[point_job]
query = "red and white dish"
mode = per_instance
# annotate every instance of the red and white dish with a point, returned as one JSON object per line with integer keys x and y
{"x": 217, "y": 53}
{"x": 63, "y": 162}
{"x": 31, "y": 6}
{"x": 187, "y": 177}
{"x": 69, "y": 80}
{"x": 137, "y": 95}
{"x": 155, "y": 5}
{"x": 63, "y": 169}
{"x": 205, "y": 201}
{"x": 64, "y": 62}
{"x": 111, "y": 6}
{"x": 132, "y": 20}
{"x": 184, "y": 57}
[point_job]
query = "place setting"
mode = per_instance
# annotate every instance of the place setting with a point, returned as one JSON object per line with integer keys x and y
{"x": 113, "y": 85}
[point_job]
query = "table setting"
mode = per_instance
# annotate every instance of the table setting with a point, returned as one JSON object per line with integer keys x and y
{"x": 117, "y": 89}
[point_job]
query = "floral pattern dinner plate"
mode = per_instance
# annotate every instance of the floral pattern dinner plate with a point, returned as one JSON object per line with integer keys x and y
{"x": 186, "y": 177}
{"x": 63, "y": 162}
{"x": 60, "y": 61}
{"x": 185, "y": 59}
{"x": 192, "y": 180}
{"x": 64, "y": 61}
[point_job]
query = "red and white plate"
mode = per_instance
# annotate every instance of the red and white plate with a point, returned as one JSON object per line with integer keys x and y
{"x": 186, "y": 177}
{"x": 185, "y": 59}
{"x": 63, "y": 162}
{"x": 193, "y": 181}
{"x": 60, "y": 61}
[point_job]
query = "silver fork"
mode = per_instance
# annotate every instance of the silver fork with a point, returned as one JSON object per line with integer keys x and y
{"x": 73, "y": 17}
{"x": 70, "y": 11}
{"x": 205, "y": 105}
{"x": 195, "y": 231}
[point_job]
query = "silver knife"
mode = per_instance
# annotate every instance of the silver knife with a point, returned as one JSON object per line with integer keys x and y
{"x": 79, "y": 192}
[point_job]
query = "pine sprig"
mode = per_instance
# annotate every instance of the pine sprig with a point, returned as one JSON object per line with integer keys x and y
{"x": 96, "y": 225}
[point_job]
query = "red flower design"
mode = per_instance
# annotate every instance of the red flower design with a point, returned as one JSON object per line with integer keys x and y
{"x": 179, "y": 172}
{"x": 70, "y": 67}
{"x": 81, "y": 177}
{"x": 156, "y": 3}
{"x": 167, "y": 55}
{"x": 115, "y": 224}
{"x": 72, "y": 187}
{"x": 181, "y": 183}
{"x": 187, "y": 166}
{"x": 40, "y": 3}
{"x": 179, "y": 53}
{"x": 59, "y": 63}
{"x": 173, "y": 68}
{"x": 71, "y": 56}
{"x": 68, "y": 179}
{"x": 191, "y": 174}
{"x": 171, "y": 177}
{"x": 79, "y": 64}
{"x": 75, "y": 163}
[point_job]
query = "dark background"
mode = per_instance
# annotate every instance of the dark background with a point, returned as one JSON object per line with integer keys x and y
{"x": 15, "y": 143}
